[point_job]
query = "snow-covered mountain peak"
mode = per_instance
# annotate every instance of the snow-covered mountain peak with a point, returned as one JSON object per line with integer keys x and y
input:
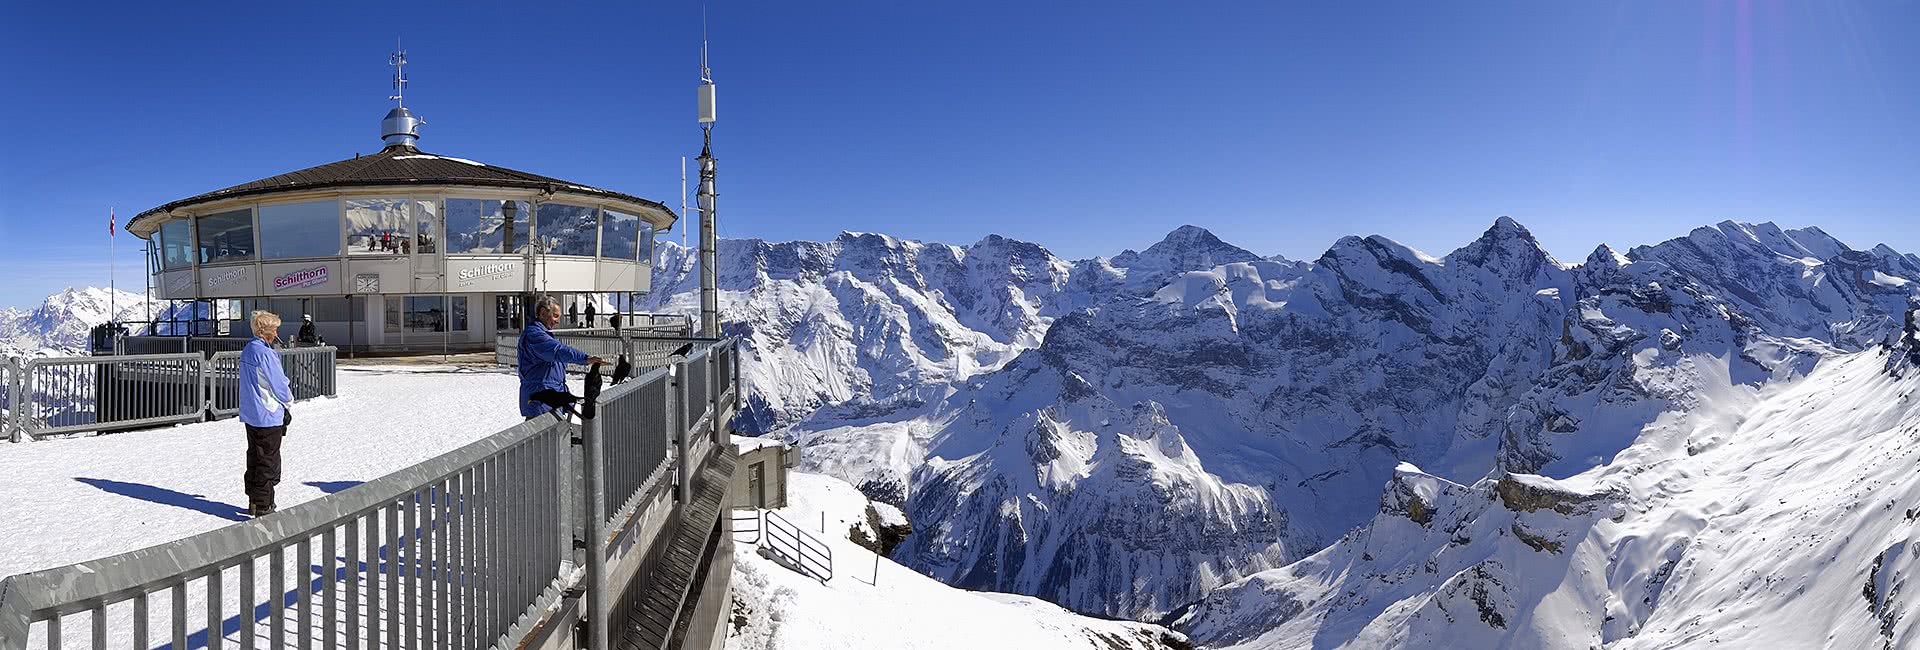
{"x": 1506, "y": 245}
{"x": 1187, "y": 248}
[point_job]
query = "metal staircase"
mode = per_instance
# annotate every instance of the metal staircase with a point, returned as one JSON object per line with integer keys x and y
{"x": 784, "y": 543}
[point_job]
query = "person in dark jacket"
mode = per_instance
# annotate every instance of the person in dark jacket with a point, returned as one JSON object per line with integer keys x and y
{"x": 308, "y": 336}
{"x": 614, "y": 320}
{"x": 543, "y": 358}
{"x": 264, "y": 396}
{"x": 590, "y": 314}
{"x": 573, "y": 314}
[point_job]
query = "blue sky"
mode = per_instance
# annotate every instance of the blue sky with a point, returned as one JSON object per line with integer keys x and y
{"x": 1088, "y": 127}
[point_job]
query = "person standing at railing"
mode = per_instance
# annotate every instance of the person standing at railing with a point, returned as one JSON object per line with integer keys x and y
{"x": 264, "y": 396}
{"x": 543, "y": 358}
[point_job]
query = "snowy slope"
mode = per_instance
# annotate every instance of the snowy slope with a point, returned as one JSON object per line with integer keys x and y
{"x": 1780, "y": 517}
{"x": 776, "y": 608}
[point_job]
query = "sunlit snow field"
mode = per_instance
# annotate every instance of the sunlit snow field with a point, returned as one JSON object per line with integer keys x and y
{"x": 76, "y": 499}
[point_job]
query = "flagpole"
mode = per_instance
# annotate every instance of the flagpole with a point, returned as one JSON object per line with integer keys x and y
{"x": 112, "y": 312}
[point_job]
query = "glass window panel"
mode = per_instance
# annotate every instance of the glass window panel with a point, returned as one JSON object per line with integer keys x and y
{"x": 486, "y": 226}
{"x": 425, "y": 314}
{"x": 377, "y": 226}
{"x": 426, "y": 226}
{"x": 226, "y": 237}
{"x": 619, "y": 236}
{"x": 568, "y": 229}
{"x": 646, "y": 244}
{"x": 459, "y": 313}
{"x": 394, "y": 307}
{"x": 299, "y": 230}
{"x": 176, "y": 244}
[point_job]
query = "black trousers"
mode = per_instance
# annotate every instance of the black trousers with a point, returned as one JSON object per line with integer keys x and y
{"x": 263, "y": 463}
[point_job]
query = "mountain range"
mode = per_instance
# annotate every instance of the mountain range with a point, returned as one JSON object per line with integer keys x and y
{"x": 1164, "y": 434}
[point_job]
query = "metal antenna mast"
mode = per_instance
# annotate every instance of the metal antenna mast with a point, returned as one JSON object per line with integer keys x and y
{"x": 399, "y": 62}
{"x": 709, "y": 242}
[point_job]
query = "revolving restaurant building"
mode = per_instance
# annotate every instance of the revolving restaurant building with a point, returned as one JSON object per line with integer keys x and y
{"x": 399, "y": 250}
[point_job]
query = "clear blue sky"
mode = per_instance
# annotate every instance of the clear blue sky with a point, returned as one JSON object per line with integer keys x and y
{"x": 1086, "y": 126}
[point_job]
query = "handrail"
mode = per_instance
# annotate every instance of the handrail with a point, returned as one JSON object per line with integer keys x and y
{"x": 753, "y": 516}
{"x": 814, "y": 557}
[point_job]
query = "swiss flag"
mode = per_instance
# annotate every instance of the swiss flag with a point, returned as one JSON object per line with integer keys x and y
{"x": 109, "y": 222}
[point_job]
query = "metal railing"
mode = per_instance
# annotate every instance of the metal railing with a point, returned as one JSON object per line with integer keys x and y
{"x": 623, "y": 464}
{"x": 745, "y": 524}
{"x": 806, "y": 552}
{"x": 166, "y": 344}
{"x": 74, "y": 394}
{"x": 472, "y": 549}
{"x": 310, "y": 373}
{"x": 71, "y": 394}
{"x": 460, "y": 551}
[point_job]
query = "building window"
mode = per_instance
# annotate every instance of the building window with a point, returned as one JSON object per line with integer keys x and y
{"x": 481, "y": 226}
{"x": 426, "y": 226}
{"x": 620, "y": 236}
{"x": 377, "y": 227}
{"x": 422, "y": 314}
{"x": 176, "y": 245}
{"x": 646, "y": 244}
{"x": 507, "y": 312}
{"x": 568, "y": 229}
{"x": 300, "y": 230}
{"x": 226, "y": 237}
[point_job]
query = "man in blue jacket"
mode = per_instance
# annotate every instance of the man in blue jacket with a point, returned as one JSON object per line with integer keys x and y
{"x": 264, "y": 396}
{"x": 544, "y": 359}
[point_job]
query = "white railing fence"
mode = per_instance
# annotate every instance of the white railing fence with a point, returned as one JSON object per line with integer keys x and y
{"x": 74, "y": 394}
{"x": 473, "y": 549}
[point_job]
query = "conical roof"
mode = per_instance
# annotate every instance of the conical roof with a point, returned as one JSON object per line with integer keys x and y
{"x": 397, "y": 165}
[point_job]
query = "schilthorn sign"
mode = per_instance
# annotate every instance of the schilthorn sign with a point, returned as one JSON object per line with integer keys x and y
{"x": 302, "y": 278}
{"x": 223, "y": 279}
{"x": 490, "y": 271}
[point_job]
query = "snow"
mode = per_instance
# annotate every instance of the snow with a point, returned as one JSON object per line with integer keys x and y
{"x": 80, "y": 498}
{"x": 1776, "y": 517}
{"x": 745, "y": 444}
{"x": 437, "y": 157}
{"x": 895, "y": 607}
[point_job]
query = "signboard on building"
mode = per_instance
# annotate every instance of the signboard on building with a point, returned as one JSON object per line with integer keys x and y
{"x": 486, "y": 275}
{"x": 228, "y": 282}
{"x": 300, "y": 279}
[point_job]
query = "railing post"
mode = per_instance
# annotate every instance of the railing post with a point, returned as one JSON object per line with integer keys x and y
{"x": 592, "y": 451}
{"x": 679, "y": 428}
{"x": 715, "y": 384}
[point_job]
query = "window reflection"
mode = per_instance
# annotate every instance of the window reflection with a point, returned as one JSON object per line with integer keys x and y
{"x": 377, "y": 227}
{"x": 226, "y": 237}
{"x": 299, "y": 230}
{"x": 567, "y": 229}
{"x": 646, "y": 244}
{"x": 486, "y": 226}
{"x": 426, "y": 229}
{"x": 176, "y": 244}
{"x": 425, "y": 314}
{"x": 619, "y": 236}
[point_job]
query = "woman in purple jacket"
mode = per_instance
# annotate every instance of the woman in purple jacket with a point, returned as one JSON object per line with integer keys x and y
{"x": 264, "y": 396}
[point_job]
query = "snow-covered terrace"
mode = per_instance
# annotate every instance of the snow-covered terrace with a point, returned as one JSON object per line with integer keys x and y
{"x": 70, "y": 500}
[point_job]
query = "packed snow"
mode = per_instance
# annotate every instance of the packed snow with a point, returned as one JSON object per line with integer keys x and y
{"x": 75, "y": 499}
{"x": 777, "y": 608}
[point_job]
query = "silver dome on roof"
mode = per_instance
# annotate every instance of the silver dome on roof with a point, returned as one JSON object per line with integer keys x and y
{"x": 400, "y": 127}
